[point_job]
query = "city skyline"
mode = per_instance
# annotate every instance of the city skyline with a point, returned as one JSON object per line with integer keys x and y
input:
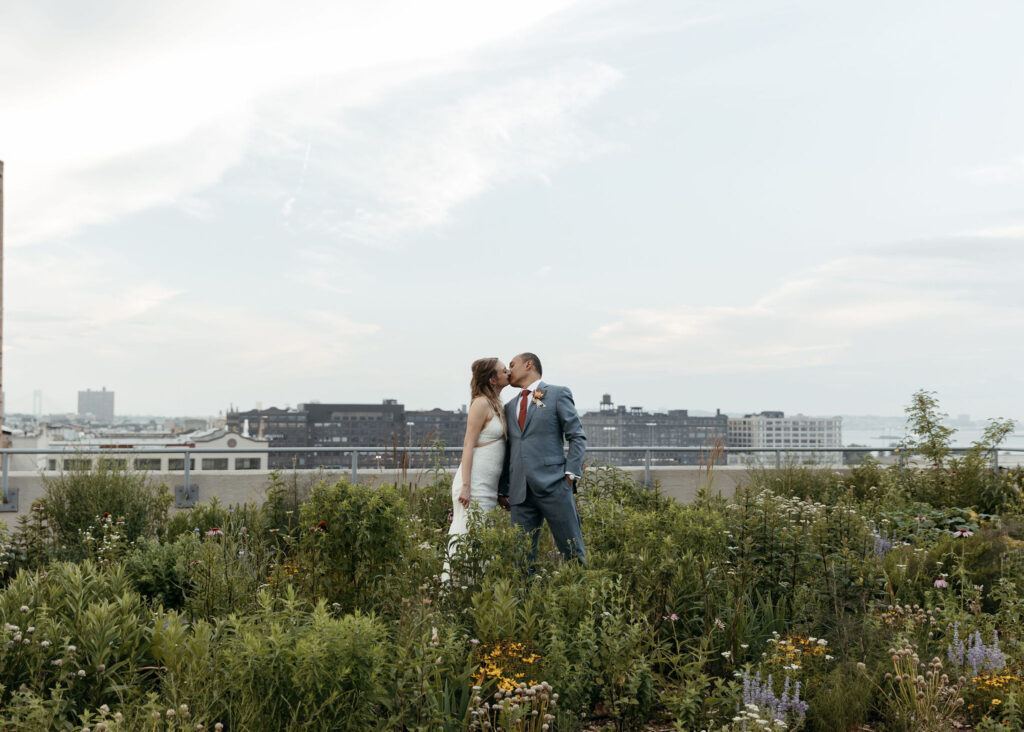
{"x": 510, "y": 393}
{"x": 766, "y": 205}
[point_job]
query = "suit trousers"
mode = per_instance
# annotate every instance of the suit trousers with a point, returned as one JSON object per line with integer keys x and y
{"x": 557, "y": 506}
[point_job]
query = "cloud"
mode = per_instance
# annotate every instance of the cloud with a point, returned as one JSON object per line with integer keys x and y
{"x": 411, "y": 169}
{"x": 849, "y": 311}
{"x": 142, "y": 107}
{"x": 997, "y": 174}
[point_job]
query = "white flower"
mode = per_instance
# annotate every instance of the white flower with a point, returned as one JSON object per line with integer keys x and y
{"x": 726, "y": 654}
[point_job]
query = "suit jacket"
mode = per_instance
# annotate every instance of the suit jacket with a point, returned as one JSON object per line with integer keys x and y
{"x": 536, "y": 455}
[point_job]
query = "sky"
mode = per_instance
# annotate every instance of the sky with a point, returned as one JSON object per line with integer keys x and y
{"x": 744, "y": 205}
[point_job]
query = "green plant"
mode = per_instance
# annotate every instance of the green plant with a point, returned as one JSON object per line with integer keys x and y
{"x": 74, "y": 499}
{"x": 353, "y": 536}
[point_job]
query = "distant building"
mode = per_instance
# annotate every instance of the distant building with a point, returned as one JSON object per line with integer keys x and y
{"x": 366, "y": 425}
{"x": 428, "y": 427}
{"x": 619, "y": 426}
{"x": 381, "y": 426}
{"x": 237, "y": 451}
{"x": 775, "y": 429}
{"x": 96, "y": 406}
{"x": 279, "y": 427}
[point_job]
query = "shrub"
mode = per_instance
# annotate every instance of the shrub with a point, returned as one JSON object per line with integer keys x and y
{"x": 75, "y": 500}
{"x": 73, "y": 627}
{"x": 353, "y": 536}
{"x": 283, "y": 669}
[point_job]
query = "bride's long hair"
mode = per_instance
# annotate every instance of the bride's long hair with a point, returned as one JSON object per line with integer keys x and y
{"x": 480, "y": 385}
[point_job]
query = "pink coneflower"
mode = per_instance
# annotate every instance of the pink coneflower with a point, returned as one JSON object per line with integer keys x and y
{"x": 963, "y": 532}
{"x": 673, "y": 617}
{"x": 215, "y": 532}
{"x": 940, "y": 583}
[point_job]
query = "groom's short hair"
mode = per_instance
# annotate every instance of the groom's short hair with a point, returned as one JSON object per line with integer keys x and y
{"x": 536, "y": 361}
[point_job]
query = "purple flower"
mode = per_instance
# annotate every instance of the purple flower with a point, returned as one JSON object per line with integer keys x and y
{"x": 762, "y": 694}
{"x": 941, "y": 583}
{"x": 975, "y": 653}
{"x": 963, "y": 532}
{"x": 215, "y": 532}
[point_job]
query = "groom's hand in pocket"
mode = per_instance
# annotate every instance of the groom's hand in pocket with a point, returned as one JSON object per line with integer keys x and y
{"x": 503, "y": 502}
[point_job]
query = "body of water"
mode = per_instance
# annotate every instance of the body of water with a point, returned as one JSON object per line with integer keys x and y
{"x": 888, "y": 437}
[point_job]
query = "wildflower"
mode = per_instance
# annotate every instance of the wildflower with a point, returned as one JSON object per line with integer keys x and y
{"x": 919, "y": 518}
{"x": 940, "y": 583}
{"x": 105, "y": 709}
{"x": 24, "y": 608}
{"x": 726, "y": 654}
{"x": 215, "y": 532}
{"x": 962, "y": 533}
{"x": 81, "y": 673}
{"x": 673, "y": 617}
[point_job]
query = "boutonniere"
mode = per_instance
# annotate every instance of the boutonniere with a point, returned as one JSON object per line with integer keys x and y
{"x": 537, "y": 396}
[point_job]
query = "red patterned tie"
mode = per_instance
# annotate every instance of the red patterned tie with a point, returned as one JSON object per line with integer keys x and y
{"x": 522, "y": 409}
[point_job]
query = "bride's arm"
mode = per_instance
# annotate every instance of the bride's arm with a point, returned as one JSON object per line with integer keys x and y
{"x": 478, "y": 412}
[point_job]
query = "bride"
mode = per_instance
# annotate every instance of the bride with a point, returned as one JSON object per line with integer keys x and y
{"x": 483, "y": 449}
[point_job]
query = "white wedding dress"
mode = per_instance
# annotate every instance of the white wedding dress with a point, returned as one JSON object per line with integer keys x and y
{"x": 488, "y": 459}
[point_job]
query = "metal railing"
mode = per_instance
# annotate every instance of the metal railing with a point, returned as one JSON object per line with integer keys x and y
{"x": 407, "y": 452}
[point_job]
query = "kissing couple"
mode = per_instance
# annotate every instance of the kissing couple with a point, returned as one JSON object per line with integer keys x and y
{"x": 514, "y": 456}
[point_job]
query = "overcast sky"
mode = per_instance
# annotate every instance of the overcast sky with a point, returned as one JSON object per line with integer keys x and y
{"x": 755, "y": 204}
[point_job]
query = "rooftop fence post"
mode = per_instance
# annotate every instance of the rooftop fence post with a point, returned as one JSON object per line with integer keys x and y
{"x": 995, "y": 463}
{"x": 778, "y": 459}
{"x": 355, "y": 466}
{"x": 3, "y": 459}
{"x": 647, "y": 468}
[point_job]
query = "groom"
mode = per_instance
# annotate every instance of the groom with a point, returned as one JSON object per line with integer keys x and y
{"x": 538, "y": 481}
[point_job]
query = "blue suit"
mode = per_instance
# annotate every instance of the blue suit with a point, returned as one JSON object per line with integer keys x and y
{"x": 533, "y": 477}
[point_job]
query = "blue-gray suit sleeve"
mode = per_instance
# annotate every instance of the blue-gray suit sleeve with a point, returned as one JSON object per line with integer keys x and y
{"x": 572, "y": 431}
